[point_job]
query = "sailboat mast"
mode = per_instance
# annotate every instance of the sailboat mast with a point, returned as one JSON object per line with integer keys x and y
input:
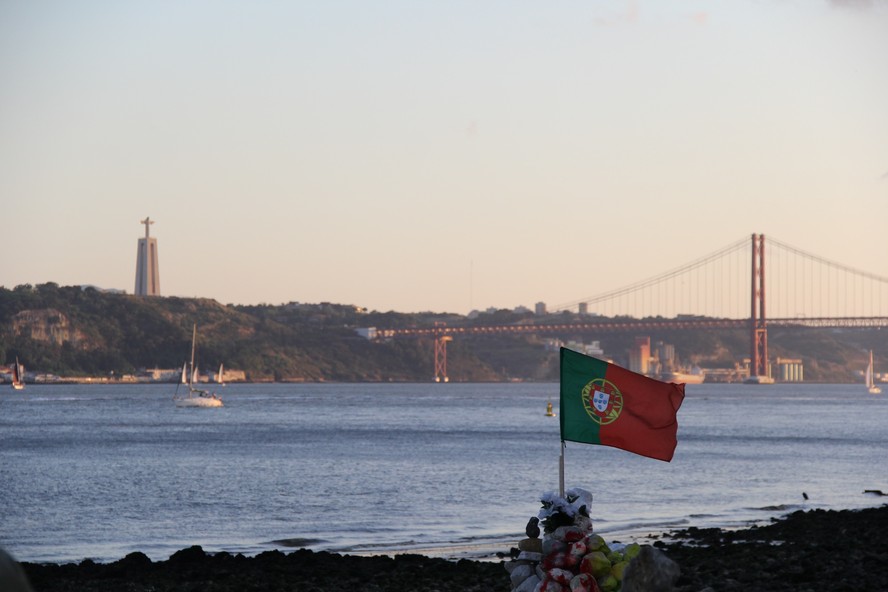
{"x": 870, "y": 379}
{"x": 193, "y": 342}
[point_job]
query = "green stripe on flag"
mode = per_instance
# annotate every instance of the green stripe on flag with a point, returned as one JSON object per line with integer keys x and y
{"x": 577, "y": 371}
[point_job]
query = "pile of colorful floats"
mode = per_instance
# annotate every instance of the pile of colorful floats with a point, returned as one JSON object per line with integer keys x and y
{"x": 571, "y": 558}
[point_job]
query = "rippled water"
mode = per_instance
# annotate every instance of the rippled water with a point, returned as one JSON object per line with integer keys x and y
{"x": 450, "y": 469}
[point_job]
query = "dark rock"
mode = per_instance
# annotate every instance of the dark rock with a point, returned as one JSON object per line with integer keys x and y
{"x": 650, "y": 571}
{"x": 12, "y": 576}
{"x": 192, "y": 554}
{"x": 800, "y": 551}
{"x": 845, "y": 550}
{"x": 136, "y": 560}
{"x": 533, "y": 528}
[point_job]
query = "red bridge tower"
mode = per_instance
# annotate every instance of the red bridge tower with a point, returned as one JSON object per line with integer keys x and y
{"x": 759, "y": 371}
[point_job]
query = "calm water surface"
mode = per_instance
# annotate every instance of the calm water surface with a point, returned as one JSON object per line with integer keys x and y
{"x": 443, "y": 469}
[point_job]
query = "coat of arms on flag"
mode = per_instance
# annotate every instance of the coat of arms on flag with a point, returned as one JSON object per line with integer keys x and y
{"x": 602, "y": 400}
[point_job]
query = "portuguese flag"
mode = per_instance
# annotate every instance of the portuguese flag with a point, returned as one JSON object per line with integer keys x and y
{"x": 604, "y": 404}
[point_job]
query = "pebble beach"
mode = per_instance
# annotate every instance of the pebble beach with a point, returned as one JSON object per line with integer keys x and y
{"x": 812, "y": 550}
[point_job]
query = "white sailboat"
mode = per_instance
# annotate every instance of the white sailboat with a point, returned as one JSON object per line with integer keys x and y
{"x": 870, "y": 379}
{"x": 219, "y": 376}
{"x": 195, "y": 397}
{"x": 18, "y": 380}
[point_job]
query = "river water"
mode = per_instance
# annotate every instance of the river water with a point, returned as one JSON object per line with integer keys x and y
{"x": 442, "y": 469}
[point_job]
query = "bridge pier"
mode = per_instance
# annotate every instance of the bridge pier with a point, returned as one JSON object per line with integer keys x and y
{"x": 441, "y": 358}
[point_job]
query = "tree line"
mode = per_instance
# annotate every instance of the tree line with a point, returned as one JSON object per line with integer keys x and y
{"x": 81, "y": 331}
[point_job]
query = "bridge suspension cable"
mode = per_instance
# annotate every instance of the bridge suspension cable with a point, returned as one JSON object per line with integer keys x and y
{"x": 800, "y": 285}
{"x": 808, "y": 285}
{"x": 657, "y": 296}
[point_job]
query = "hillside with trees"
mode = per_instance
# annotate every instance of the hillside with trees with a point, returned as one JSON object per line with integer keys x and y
{"x": 77, "y": 332}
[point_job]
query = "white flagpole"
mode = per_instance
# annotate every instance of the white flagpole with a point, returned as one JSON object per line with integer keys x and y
{"x": 561, "y": 471}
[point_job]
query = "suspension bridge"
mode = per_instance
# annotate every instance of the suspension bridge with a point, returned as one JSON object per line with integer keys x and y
{"x": 751, "y": 284}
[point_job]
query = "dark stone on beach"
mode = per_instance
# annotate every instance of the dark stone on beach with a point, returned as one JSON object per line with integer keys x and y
{"x": 12, "y": 576}
{"x": 815, "y": 550}
{"x": 650, "y": 571}
{"x": 189, "y": 555}
{"x": 532, "y": 530}
{"x": 133, "y": 565}
{"x": 193, "y": 570}
{"x": 533, "y": 545}
{"x": 134, "y": 561}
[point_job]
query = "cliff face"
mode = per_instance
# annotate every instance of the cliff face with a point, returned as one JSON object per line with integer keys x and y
{"x": 49, "y": 326}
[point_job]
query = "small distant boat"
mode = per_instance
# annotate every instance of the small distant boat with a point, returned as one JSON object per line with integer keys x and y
{"x": 195, "y": 397}
{"x": 549, "y": 412}
{"x": 219, "y": 376}
{"x": 870, "y": 382}
{"x": 18, "y": 380}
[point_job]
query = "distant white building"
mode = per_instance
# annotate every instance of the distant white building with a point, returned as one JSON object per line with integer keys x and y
{"x": 593, "y": 348}
{"x": 367, "y": 332}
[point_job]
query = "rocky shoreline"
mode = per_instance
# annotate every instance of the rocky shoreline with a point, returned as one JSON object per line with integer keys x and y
{"x": 805, "y": 551}
{"x": 814, "y": 550}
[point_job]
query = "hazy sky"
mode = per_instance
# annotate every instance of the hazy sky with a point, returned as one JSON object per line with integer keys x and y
{"x": 443, "y": 156}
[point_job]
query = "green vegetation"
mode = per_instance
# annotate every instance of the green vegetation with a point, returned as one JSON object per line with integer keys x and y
{"x": 77, "y": 332}
{"x": 74, "y": 332}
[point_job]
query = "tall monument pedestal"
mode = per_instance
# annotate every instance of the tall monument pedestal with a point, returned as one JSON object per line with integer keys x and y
{"x": 147, "y": 270}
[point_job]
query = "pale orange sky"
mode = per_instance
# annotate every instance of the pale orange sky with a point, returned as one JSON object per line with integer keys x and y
{"x": 435, "y": 156}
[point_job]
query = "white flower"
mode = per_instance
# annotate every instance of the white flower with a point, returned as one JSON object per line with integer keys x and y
{"x": 579, "y": 498}
{"x": 569, "y": 505}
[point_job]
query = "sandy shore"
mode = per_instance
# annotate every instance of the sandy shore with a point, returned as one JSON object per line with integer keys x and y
{"x": 815, "y": 550}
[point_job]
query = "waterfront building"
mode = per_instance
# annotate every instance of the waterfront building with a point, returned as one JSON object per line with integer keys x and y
{"x": 147, "y": 270}
{"x": 790, "y": 370}
{"x": 640, "y": 355}
{"x": 664, "y": 353}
